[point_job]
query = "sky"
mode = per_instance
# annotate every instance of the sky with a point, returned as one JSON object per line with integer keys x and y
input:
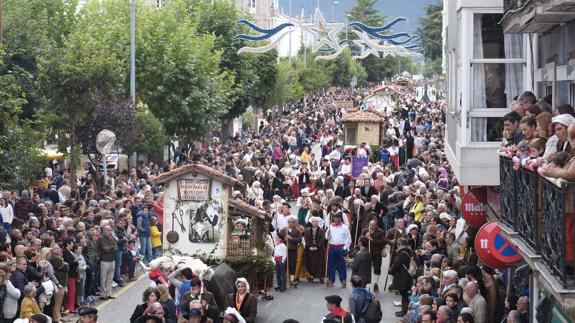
{"x": 410, "y": 9}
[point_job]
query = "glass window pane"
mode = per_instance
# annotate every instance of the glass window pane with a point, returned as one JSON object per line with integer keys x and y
{"x": 489, "y": 40}
{"x": 486, "y": 129}
{"x": 495, "y": 85}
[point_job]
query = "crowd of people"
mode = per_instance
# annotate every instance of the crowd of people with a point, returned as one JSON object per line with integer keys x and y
{"x": 65, "y": 245}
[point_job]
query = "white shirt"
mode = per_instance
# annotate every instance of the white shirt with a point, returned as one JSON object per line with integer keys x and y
{"x": 393, "y": 151}
{"x": 335, "y": 154}
{"x": 345, "y": 169}
{"x": 281, "y": 221}
{"x": 7, "y": 213}
{"x": 280, "y": 250}
{"x": 339, "y": 235}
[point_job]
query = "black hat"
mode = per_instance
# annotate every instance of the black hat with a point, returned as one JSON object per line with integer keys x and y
{"x": 87, "y": 311}
{"x": 280, "y": 235}
{"x": 338, "y": 215}
{"x": 286, "y": 204}
{"x": 333, "y": 299}
{"x": 40, "y": 318}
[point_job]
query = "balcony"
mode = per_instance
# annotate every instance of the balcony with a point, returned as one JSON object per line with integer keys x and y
{"x": 534, "y": 212}
{"x": 536, "y": 16}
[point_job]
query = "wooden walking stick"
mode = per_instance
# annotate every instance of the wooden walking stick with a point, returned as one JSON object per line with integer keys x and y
{"x": 390, "y": 255}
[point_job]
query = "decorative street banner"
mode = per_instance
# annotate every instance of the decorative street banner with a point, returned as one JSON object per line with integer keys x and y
{"x": 357, "y": 164}
{"x": 327, "y": 42}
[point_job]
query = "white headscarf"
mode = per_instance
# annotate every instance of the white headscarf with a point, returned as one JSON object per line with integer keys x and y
{"x": 245, "y": 281}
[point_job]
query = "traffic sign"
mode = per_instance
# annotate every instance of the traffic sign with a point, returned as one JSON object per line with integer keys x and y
{"x": 501, "y": 248}
{"x": 482, "y": 246}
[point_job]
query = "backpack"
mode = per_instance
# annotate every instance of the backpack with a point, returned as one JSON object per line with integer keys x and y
{"x": 373, "y": 313}
{"x": 412, "y": 270}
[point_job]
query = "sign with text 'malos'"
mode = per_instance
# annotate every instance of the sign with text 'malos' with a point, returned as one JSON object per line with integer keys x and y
{"x": 474, "y": 207}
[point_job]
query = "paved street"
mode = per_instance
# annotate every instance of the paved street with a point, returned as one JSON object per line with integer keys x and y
{"x": 305, "y": 304}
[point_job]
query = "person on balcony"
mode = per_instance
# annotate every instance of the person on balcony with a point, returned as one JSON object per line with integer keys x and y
{"x": 511, "y": 130}
{"x": 567, "y": 173}
{"x": 545, "y": 131}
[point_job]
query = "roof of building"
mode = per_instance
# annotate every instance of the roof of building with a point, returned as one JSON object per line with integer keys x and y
{"x": 195, "y": 167}
{"x": 368, "y": 115}
{"x": 246, "y": 208}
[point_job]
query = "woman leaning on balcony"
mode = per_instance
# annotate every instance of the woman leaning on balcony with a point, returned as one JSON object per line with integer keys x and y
{"x": 567, "y": 172}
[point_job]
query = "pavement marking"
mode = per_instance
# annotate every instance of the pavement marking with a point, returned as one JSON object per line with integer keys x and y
{"x": 105, "y": 303}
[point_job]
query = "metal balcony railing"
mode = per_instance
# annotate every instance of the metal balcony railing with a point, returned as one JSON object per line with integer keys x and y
{"x": 513, "y": 4}
{"x": 541, "y": 213}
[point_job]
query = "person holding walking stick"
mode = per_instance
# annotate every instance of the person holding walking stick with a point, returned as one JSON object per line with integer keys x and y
{"x": 339, "y": 240}
{"x": 391, "y": 238}
{"x": 293, "y": 238}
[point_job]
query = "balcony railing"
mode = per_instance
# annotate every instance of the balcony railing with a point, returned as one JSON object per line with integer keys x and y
{"x": 513, "y": 4}
{"x": 541, "y": 213}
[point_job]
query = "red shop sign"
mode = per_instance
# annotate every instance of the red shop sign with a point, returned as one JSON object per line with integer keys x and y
{"x": 474, "y": 206}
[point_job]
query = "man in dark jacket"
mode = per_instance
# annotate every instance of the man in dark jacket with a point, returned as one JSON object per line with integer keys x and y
{"x": 361, "y": 263}
{"x": 107, "y": 248}
{"x": 376, "y": 242}
{"x": 61, "y": 272}
{"x": 402, "y": 280}
{"x": 19, "y": 279}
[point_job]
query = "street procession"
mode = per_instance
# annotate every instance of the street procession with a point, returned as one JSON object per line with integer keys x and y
{"x": 287, "y": 161}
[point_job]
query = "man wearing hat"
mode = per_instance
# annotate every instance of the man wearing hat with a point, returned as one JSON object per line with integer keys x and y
{"x": 375, "y": 244}
{"x": 339, "y": 240}
{"x": 293, "y": 238}
{"x": 336, "y": 313}
{"x": 88, "y": 315}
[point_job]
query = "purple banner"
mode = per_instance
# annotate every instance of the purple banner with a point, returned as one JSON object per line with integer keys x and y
{"x": 357, "y": 164}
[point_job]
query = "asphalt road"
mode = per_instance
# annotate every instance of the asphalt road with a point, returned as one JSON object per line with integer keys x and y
{"x": 305, "y": 304}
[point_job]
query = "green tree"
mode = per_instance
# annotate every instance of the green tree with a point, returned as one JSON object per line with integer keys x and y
{"x": 313, "y": 75}
{"x": 254, "y": 74}
{"x": 366, "y": 12}
{"x": 32, "y": 27}
{"x": 178, "y": 70}
{"x": 74, "y": 81}
{"x": 429, "y": 31}
{"x": 18, "y": 138}
{"x": 286, "y": 87}
{"x": 346, "y": 68}
{"x": 152, "y": 136}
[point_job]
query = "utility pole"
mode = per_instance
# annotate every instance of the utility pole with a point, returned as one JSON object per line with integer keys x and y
{"x": 133, "y": 51}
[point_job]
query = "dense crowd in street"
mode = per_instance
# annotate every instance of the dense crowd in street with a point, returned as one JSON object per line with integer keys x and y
{"x": 64, "y": 246}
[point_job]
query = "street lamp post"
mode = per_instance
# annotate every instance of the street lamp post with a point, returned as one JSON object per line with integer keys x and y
{"x": 290, "y": 34}
{"x": 333, "y": 10}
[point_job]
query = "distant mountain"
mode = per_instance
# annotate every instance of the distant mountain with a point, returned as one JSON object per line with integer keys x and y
{"x": 410, "y": 9}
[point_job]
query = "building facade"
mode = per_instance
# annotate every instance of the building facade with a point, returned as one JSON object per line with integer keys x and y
{"x": 493, "y": 51}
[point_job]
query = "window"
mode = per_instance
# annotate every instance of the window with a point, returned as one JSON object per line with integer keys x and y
{"x": 497, "y": 72}
{"x": 572, "y": 94}
{"x": 251, "y": 3}
{"x": 351, "y": 136}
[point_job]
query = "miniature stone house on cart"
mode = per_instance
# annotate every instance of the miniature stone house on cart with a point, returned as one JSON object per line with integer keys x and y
{"x": 200, "y": 215}
{"x": 363, "y": 126}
